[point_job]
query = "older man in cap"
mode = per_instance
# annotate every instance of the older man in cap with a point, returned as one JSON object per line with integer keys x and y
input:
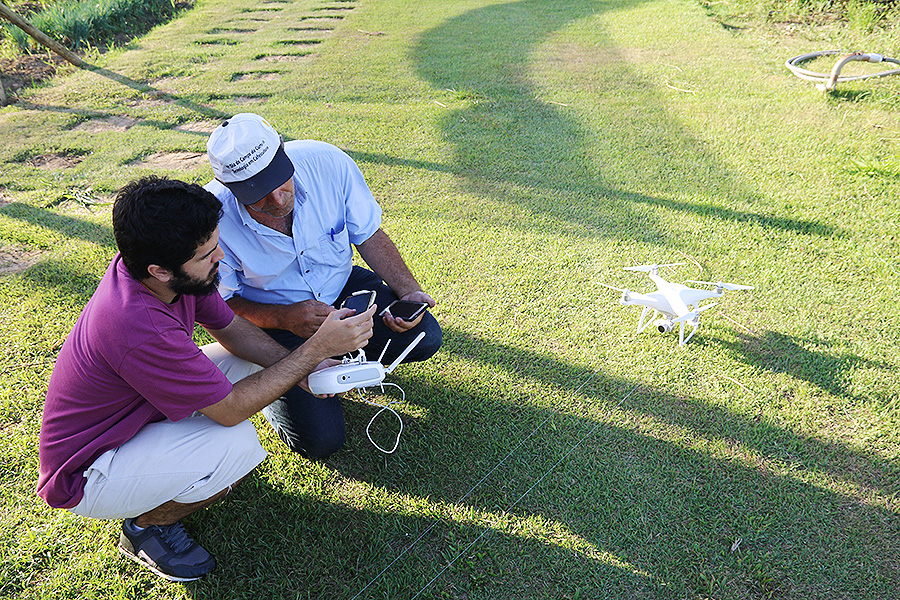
{"x": 292, "y": 214}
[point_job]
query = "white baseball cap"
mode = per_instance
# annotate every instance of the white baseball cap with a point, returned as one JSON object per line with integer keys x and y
{"x": 247, "y": 156}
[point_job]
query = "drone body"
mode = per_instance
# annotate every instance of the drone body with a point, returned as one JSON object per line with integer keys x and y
{"x": 674, "y": 303}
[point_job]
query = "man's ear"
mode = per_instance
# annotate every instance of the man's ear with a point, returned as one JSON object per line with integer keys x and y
{"x": 158, "y": 272}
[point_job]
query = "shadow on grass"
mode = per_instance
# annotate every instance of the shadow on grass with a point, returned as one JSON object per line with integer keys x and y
{"x": 609, "y": 202}
{"x": 513, "y": 146}
{"x": 656, "y": 496}
{"x": 68, "y": 226}
{"x": 781, "y": 353}
{"x": 64, "y": 280}
{"x": 316, "y": 552}
{"x": 668, "y": 508}
{"x": 147, "y": 90}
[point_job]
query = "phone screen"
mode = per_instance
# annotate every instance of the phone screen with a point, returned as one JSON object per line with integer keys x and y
{"x": 407, "y": 311}
{"x": 359, "y": 302}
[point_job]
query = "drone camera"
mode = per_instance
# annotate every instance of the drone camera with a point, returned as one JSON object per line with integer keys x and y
{"x": 663, "y": 325}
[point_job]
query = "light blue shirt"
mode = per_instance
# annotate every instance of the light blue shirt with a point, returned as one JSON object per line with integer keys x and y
{"x": 333, "y": 208}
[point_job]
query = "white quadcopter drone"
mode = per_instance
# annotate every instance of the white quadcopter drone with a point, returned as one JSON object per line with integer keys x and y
{"x": 673, "y": 302}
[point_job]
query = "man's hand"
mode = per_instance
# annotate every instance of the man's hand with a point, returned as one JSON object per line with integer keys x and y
{"x": 303, "y": 319}
{"x": 251, "y": 394}
{"x": 339, "y": 333}
{"x": 399, "y": 325}
{"x": 304, "y": 383}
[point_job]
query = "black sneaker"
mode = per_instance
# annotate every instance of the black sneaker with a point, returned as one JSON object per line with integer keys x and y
{"x": 167, "y": 550}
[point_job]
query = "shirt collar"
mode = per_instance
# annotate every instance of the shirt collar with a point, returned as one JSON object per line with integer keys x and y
{"x": 300, "y": 198}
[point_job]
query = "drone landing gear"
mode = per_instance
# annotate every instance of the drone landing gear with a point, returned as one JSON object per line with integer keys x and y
{"x": 666, "y": 325}
{"x": 641, "y": 324}
{"x": 684, "y": 340}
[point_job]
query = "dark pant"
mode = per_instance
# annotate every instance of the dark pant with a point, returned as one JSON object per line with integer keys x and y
{"x": 314, "y": 427}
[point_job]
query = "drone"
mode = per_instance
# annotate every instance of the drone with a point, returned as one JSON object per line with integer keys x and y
{"x": 674, "y": 303}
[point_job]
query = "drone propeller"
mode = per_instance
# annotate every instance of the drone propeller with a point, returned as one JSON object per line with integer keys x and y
{"x": 651, "y": 268}
{"x": 693, "y": 314}
{"x": 731, "y": 287}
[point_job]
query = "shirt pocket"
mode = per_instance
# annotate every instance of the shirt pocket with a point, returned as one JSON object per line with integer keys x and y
{"x": 334, "y": 246}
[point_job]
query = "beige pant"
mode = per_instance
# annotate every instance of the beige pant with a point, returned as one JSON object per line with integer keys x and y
{"x": 188, "y": 461}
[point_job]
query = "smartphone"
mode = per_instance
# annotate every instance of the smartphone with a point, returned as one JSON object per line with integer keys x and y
{"x": 361, "y": 301}
{"x": 403, "y": 309}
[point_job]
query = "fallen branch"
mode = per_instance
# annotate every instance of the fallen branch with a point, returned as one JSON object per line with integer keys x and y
{"x": 39, "y": 36}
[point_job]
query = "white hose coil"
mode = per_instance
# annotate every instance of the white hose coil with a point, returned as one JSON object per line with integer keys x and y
{"x": 827, "y": 82}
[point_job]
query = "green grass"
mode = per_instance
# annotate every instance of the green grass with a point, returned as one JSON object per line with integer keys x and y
{"x": 82, "y": 23}
{"x": 524, "y": 152}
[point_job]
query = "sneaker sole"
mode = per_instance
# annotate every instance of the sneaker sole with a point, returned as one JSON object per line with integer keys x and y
{"x": 147, "y": 565}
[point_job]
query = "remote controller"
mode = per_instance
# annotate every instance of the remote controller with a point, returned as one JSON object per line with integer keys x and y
{"x": 356, "y": 372}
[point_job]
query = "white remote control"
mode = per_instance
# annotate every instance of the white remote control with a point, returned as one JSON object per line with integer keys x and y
{"x": 356, "y": 372}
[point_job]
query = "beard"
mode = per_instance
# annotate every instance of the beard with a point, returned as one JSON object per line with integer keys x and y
{"x": 182, "y": 283}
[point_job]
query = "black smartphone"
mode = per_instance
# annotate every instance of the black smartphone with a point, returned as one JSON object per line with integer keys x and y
{"x": 361, "y": 301}
{"x": 403, "y": 309}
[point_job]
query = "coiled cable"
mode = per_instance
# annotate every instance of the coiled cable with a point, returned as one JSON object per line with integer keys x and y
{"x": 827, "y": 82}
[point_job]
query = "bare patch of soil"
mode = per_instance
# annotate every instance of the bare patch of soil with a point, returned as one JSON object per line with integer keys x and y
{"x": 256, "y": 76}
{"x": 114, "y": 123}
{"x": 54, "y": 161}
{"x": 173, "y": 160}
{"x": 249, "y": 100}
{"x": 27, "y": 70}
{"x": 15, "y": 260}
{"x": 284, "y": 57}
{"x": 148, "y": 104}
{"x": 168, "y": 84}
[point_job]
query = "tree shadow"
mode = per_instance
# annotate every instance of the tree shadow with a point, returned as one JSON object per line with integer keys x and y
{"x": 669, "y": 508}
{"x": 68, "y": 226}
{"x": 315, "y": 551}
{"x": 780, "y": 353}
{"x": 144, "y": 89}
{"x": 512, "y": 146}
{"x": 64, "y": 279}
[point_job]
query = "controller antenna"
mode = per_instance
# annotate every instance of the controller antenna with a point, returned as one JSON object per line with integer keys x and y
{"x": 403, "y": 354}
{"x": 385, "y": 350}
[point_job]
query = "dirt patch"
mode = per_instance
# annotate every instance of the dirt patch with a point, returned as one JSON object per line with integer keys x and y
{"x": 54, "y": 161}
{"x": 148, "y": 104}
{"x": 25, "y": 71}
{"x": 249, "y": 100}
{"x": 114, "y": 123}
{"x": 168, "y": 84}
{"x": 284, "y": 57}
{"x": 197, "y": 126}
{"x": 15, "y": 260}
{"x": 256, "y": 76}
{"x": 172, "y": 160}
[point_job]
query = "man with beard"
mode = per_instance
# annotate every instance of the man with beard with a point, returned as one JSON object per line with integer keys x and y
{"x": 139, "y": 423}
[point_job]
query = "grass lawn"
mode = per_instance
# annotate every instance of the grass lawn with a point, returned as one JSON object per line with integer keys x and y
{"x": 524, "y": 152}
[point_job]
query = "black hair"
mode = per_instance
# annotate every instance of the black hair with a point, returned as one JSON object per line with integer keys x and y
{"x": 159, "y": 221}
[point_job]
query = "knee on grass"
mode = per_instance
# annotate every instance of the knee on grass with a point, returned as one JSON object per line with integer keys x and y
{"x": 321, "y": 447}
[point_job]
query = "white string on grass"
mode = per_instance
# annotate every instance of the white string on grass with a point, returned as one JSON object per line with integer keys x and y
{"x": 519, "y": 499}
{"x": 384, "y": 407}
{"x": 482, "y": 480}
